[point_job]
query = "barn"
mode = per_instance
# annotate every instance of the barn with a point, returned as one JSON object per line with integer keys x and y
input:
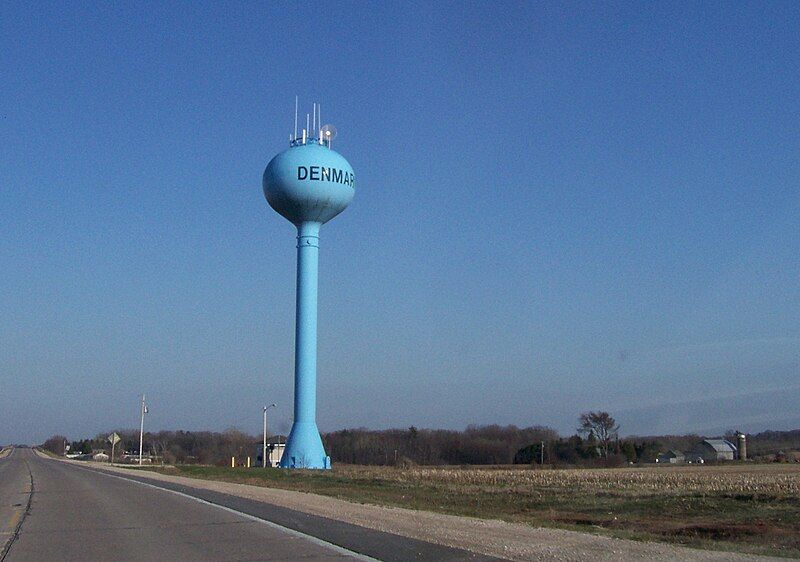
{"x": 714, "y": 450}
{"x": 670, "y": 457}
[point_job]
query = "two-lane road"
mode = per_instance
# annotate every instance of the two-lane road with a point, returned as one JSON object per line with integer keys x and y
{"x": 54, "y": 510}
{"x": 77, "y": 514}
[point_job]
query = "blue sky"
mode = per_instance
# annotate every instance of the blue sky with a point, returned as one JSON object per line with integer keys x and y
{"x": 558, "y": 209}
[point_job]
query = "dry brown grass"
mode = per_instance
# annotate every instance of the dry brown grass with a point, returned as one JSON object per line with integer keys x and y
{"x": 749, "y": 507}
{"x": 782, "y": 479}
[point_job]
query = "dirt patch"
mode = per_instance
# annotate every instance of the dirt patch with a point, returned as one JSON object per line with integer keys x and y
{"x": 718, "y": 532}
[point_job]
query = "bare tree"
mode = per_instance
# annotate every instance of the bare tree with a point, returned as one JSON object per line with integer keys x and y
{"x": 602, "y": 426}
{"x": 55, "y": 444}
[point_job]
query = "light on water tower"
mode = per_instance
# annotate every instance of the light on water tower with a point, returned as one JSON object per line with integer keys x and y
{"x": 308, "y": 184}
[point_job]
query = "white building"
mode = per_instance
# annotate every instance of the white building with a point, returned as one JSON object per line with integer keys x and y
{"x": 275, "y": 446}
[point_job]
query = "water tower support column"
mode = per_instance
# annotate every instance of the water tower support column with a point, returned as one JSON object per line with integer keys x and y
{"x": 304, "y": 447}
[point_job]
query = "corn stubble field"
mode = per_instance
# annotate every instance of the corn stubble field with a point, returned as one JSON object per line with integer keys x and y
{"x": 744, "y": 507}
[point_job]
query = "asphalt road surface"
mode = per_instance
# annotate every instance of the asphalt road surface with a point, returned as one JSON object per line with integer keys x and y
{"x": 51, "y": 510}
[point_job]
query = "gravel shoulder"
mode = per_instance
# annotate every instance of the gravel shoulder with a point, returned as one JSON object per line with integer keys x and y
{"x": 488, "y": 537}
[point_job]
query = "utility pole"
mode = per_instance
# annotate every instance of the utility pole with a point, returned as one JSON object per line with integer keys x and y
{"x": 141, "y": 430}
{"x": 264, "y": 450}
{"x": 542, "y": 463}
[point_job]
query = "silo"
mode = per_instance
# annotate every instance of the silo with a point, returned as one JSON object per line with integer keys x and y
{"x": 742, "y": 444}
{"x": 308, "y": 184}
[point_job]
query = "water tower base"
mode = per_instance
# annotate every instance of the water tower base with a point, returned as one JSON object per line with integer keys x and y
{"x": 304, "y": 448}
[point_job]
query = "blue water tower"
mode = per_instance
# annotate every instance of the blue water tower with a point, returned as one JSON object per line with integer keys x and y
{"x": 308, "y": 184}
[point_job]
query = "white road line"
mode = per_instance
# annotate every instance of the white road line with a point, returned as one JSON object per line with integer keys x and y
{"x": 287, "y": 530}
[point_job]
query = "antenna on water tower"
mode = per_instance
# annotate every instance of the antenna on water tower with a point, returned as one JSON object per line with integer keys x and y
{"x": 308, "y": 184}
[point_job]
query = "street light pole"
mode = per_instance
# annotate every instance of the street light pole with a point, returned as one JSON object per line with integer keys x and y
{"x": 264, "y": 450}
{"x": 141, "y": 430}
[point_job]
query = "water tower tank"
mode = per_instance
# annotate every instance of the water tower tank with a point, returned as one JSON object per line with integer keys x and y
{"x": 308, "y": 184}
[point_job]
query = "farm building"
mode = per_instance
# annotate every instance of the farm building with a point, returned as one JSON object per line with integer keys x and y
{"x": 713, "y": 450}
{"x": 670, "y": 457}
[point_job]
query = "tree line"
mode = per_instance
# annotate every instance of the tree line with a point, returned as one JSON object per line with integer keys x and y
{"x": 595, "y": 443}
{"x": 183, "y": 447}
{"x": 490, "y": 444}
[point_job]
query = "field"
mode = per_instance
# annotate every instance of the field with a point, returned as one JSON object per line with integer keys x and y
{"x": 748, "y": 508}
